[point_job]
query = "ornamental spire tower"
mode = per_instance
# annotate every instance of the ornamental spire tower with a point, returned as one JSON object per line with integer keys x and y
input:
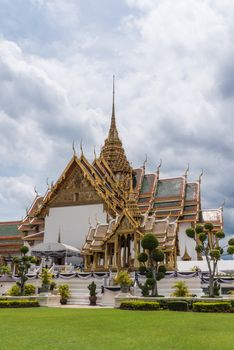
{"x": 113, "y": 151}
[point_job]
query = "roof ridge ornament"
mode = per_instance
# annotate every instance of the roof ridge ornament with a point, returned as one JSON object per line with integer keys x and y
{"x": 186, "y": 171}
{"x": 223, "y": 204}
{"x": 81, "y": 148}
{"x": 145, "y": 161}
{"x": 47, "y": 183}
{"x": 159, "y": 166}
{"x": 200, "y": 176}
{"x": 35, "y": 190}
{"x": 73, "y": 148}
{"x": 95, "y": 154}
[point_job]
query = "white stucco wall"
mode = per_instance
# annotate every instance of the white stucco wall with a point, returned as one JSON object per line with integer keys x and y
{"x": 72, "y": 222}
{"x": 184, "y": 240}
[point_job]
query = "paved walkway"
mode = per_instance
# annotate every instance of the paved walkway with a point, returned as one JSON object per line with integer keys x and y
{"x": 84, "y": 307}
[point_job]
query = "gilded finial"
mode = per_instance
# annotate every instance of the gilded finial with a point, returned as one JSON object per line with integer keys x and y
{"x": 113, "y": 97}
{"x": 73, "y": 147}
{"x": 94, "y": 151}
{"x": 186, "y": 171}
{"x": 159, "y": 166}
{"x": 145, "y": 161}
{"x": 200, "y": 176}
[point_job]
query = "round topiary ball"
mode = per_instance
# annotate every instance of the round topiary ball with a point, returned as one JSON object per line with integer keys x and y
{"x": 24, "y": 250}
{"x": 231, "y": 241}
{"x": 220, "y": 234}
{"x": 149, "y": 274}
{"x": 202, "y": 237}
{"x": 149, "y": 242}
{"x": 142, "y": 257}
{"x": 215, "y": 254}
{"x": 199, "y": 249}
{"x": 162, "y": 269}
{"x": 142, "y": 269}
{"x": 160, "y": 275}
{"x": 150, "y": 282}
{"x": 157, "y": 255}
{"x": 190, "y": 232}
{"x": 209, "y": 226}
{"x": 199, "y": 229}
{"x": 230, "y": 249}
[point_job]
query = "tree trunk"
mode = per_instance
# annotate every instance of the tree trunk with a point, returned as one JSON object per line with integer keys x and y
{"x": 155, "y": 286}
{"x": 211, "y": 286}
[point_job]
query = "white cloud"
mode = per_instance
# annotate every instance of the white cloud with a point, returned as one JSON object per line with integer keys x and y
{"x": 174, "y": 89}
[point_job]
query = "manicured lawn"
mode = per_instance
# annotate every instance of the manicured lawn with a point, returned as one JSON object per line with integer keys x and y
{"x": 109, "y": 329}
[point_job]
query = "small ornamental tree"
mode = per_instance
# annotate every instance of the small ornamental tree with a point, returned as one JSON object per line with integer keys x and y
{"x": 151, "y": 263}
{"x": 230, "y": 249}
{"x": 207, "y": 244}
{"x": 24, "y": 263}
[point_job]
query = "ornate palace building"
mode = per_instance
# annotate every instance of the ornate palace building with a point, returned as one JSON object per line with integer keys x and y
{"x": 104, "y": 208}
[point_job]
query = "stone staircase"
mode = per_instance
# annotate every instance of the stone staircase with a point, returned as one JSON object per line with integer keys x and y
{"x": 80, "y": 293}
{"x": 165, "y": 286}
{"x": 79, "y": 290}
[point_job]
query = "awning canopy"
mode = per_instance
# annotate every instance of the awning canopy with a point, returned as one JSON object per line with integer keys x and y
{"x": 54, "y": 249}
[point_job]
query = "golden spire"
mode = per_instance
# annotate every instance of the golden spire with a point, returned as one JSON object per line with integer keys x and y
{"x": 186, "y": 256}
{"x": 113, "y": 151}
{"x": 113, "y": 132}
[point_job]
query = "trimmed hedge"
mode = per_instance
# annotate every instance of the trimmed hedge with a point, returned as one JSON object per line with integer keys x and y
{"x": 222, "y": 306}
{"x": 18, "y": 303}
{"x": 179, "y": 305}
{"x": 139, "y": 305}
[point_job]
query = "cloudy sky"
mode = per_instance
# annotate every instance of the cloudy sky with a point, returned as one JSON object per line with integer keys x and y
{"x": 174, "y": 68}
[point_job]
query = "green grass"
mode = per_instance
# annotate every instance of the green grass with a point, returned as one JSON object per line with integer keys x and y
{"x": 109, "y": 329}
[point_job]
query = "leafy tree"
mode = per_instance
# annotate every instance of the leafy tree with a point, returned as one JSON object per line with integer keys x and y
{"x": 24, "y": 263}
{"x": 207, "y": 244}
{"x": 151, "y": 263}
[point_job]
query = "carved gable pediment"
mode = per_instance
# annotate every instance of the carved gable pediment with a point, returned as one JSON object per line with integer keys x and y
{"x": 125, "y": 225}
{"x": 75, "y": 189}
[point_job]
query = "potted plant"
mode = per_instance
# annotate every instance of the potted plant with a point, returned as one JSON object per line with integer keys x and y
{"x": 53, "y": 287}
{"x": 64, "y": 293}
{"x": 124, "y": 280}
{"x": 45, "y": 280}
{"x": 92, "y": 293}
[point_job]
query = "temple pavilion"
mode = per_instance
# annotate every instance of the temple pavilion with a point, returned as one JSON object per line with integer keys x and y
{"x": 105, "y": 207}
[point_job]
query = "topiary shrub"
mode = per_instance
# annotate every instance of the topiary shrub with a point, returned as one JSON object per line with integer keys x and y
{"x": 177, "y": 305}
{"x": 14, "y": 290}
{"x": 29, "y": 289}
{"x": 18, "y": 303}
{"x": 221, "y": 306}
{"x": 151, "y": 264}
{"x": 139, "y": 305}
